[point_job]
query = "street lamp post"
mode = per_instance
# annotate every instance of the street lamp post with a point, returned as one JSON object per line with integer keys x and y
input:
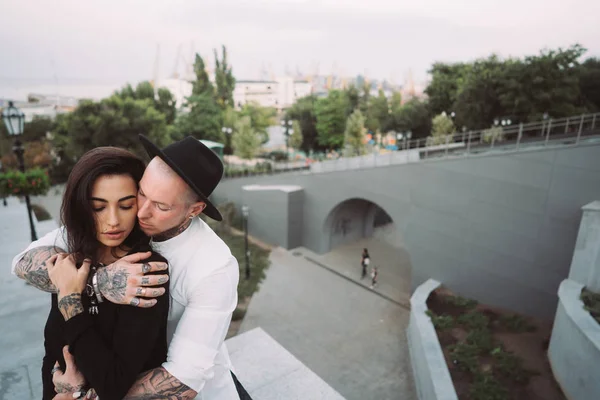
{"x": 227, "y": 131}
{"x": 14, "y": 119}
{"x": 245, "y": 213}
{"x": 287, "y": 126}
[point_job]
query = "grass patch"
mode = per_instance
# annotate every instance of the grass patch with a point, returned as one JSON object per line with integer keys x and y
{"x": 465, "y": 356}
{"x": 591, "y": 303}
{"x": 510, "y": 366}
{"x": 40, "y": 212}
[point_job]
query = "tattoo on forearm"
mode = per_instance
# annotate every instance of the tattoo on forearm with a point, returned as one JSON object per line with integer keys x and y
{"x": 70, "y": 305}
{"x": 64, "y": 387}
{"x": 113, "y": 283}
{"x": 171, "y": 233}
{"x": 32, "y": 267}
{"x": 159, "y": 384}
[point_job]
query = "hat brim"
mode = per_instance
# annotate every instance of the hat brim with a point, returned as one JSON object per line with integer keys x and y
{"x": 153, "y": 151}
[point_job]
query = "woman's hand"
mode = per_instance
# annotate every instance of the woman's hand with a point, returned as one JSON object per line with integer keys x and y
{"x": 65, "y": 275}
{"x": 70, "y": 283}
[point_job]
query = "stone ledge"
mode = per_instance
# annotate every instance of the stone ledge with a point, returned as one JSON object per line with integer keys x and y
{"x": 269, "y": 372}
{"x": 432, "y": 377}
{"x": 574, "y": 351}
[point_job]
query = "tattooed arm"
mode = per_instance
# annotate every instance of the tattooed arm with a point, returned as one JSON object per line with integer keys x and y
{"x": 159, "y": 384}
{"x": 33, "y": 269}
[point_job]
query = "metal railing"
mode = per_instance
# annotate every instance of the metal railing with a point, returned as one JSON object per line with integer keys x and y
{"x": 570, "y": 131}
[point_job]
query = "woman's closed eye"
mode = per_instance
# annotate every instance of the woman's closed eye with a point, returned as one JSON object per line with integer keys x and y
{"x": 98, "y": 209}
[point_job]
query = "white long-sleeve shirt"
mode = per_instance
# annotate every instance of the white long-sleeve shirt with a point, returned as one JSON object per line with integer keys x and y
{"x": 203, "y": 286}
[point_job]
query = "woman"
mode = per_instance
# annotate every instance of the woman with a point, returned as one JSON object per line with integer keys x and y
{"x": 111, "y": 344}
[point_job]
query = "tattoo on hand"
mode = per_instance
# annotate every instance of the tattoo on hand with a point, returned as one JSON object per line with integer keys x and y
{"x": 162, "y": 280}
{"x": 145, "y": 281}
{"x": 113, "y": 283}
{"x": 64, "y": 387}
{"x": 70, "y": 305}
{"x": 32, "y": 267}
{"x": 155, "y": 293}
{"x": 159, "y": 384}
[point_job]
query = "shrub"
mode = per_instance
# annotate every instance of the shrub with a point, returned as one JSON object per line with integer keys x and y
{"x": 486, "y": 387}
{"x": 511, "y": 366}
{"x": 238, "y": 314}
{"x": 464, "y": 356}
{"x": 33, "y": 182}
{"x": 474, "y": 320}
{"x": 591, "y": 303}
{"x": 440, "y": 322}
{"x": 482, "y": 338}
{"x": 462, "y": 302}
{"x": 515, "y": 323}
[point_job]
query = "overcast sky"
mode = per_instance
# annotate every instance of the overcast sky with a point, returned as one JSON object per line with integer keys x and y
{"x": 116, "y": 40}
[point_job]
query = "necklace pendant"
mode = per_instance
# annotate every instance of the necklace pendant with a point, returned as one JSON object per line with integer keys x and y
{"x": 93, "y": 310}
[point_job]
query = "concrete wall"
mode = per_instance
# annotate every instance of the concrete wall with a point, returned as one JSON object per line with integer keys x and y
{"x": 275, "y": 213}
{"x": 432, "y": 377}
{"x": 574, "y": 351}
{"x": 497, "y": 228}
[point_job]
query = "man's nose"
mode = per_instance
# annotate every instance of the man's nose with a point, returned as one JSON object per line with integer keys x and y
{"x": 143, "y": 210}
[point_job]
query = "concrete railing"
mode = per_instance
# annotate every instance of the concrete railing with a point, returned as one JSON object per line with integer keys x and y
{"x": 431, "y": 374}
{"x": 574, "y": 351}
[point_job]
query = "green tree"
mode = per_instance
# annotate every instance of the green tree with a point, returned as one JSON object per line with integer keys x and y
{"x": 203, "y": 121}
{"x": 442, "y": 128}
{"x": 166, "y": 104}
{"x": 260, "y": 118}
{"x": 202, "y": 83}
{"x": 589, "y": 83}
{"x": 303, "y": 111}
{"x": 413, "y": 116}
{"x": 295, "y": 139}
{"x": 114, "y": 121}
{"x": 446, "y": 81}
{"x": 230, "y": 117}
{"x": 331, "y": 117}
{"x": 224, "y": 79}
{"x": 245, "y": 140}
{"x": 37, "y": 128}
{"x": 378, "y": 113}
{"x": 354, "y": 135}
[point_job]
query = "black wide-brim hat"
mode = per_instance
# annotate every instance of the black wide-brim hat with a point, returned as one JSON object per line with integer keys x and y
{"x": 196, "y": 164}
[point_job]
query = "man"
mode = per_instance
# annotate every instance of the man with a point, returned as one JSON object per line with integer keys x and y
{"x": 203, "y": 273}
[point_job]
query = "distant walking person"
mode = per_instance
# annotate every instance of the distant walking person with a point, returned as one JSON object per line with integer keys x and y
{"x": 374, "y": 274}
{"x": 364, "y": 262}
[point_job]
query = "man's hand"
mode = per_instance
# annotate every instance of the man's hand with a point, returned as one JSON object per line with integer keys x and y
{"x": 33, "y": 269}
{"x": 71, "y": 380}
{"x": 70, "y": 283}
{"x": 124, "y": 282}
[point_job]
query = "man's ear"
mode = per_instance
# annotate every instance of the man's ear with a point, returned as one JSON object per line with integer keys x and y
{"x": 197, "y": 208}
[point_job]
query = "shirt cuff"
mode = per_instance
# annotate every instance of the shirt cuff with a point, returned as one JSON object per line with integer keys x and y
{"x": 75, "y": 327}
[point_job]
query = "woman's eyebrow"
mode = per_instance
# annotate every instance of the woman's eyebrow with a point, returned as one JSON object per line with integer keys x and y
{"x": 121, "y": 199}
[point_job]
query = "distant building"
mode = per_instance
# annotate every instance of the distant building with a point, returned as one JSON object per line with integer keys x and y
{"x": 43, "y": 105}
{"x": 280, "y": 93}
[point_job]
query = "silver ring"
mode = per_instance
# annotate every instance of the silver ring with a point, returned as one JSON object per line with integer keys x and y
{"x": 135, "y": 302}
{"x": 55, "y": 369}
{"x": 145, "y": 268}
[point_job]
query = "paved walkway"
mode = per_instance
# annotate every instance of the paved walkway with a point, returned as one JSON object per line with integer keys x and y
{"x": 23, "y": 310}
{"x": 352, "y": 338}
{"x": 393, "y": 265}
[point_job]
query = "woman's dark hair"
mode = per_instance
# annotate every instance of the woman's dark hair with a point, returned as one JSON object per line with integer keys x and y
{"x": 77, "y": 214}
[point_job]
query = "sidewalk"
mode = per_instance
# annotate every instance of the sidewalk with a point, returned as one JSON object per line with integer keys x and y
{"x": 23, "y": 310}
